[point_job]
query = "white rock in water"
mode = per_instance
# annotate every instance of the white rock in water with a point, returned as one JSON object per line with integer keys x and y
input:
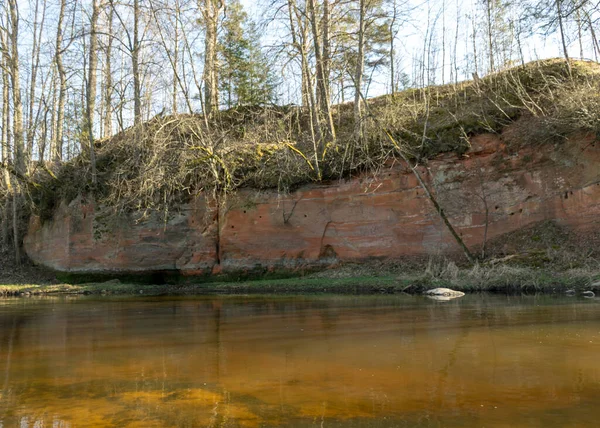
{"x": 441, "y": 298}
{"x": 444, "y": 292}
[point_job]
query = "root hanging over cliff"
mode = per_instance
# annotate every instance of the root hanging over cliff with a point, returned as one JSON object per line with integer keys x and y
{"x": 159, "y": 164}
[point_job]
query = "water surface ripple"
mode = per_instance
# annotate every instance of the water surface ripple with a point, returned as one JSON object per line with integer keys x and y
{"x": 300, "y": 361}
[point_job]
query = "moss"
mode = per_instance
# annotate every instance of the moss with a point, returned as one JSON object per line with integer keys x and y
{"x": 480, "y": 278}
{"x": 526, "y": 159}
{"x": 158, "y": 277}
{"x": 164, "y": 162}
{"x": 175, "y": 277}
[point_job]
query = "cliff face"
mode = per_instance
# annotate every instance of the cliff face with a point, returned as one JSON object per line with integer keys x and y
{"x": 383, "y": 216}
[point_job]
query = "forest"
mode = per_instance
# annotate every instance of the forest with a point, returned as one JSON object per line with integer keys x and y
{"x": 144, "y": 103}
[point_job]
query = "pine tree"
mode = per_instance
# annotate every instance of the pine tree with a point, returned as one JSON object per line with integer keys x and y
{"x": 498, "y": 33}
{"x": 260, "y": 82}
{"x": 245, "y": 73}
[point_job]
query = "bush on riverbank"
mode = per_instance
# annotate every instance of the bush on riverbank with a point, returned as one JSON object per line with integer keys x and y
{"x": 510, "y": 279}
{"x": 479, "y": 278}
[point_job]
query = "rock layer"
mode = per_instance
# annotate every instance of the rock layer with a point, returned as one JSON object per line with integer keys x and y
{"x": 490, "y": 191}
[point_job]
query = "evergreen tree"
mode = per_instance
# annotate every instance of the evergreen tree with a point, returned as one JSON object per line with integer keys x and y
{"x": 245, "y": 73}
{"x": 498, "y": 31}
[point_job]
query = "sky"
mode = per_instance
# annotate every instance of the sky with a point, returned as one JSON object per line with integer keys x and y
{"x": 409, "y": 45}
{"x": 410, "y": 38}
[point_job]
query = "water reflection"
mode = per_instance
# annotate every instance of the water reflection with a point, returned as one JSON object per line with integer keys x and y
{"x": 299, "y": 361}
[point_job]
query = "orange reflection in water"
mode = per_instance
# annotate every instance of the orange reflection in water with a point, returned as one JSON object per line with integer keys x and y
{"x": 300, "y": 361}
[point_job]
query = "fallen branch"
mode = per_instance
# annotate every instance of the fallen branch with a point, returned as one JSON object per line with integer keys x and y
{"x": 414, "y": 170}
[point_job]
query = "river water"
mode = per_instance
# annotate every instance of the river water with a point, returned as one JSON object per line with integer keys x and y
{"x": 300, "y": 361}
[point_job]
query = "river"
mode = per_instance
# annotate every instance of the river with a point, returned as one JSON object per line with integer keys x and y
{"x": 300, "y": 361}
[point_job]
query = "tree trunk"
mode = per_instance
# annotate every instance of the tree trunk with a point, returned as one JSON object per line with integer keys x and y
{"x": 5, "y": 135}
{"x": 173, "y": 59}
{"x": 15, "y": 222}
{"x": 314, "y": 23}
{"x": 443, "y": 42}
{"x": 392, "y": 47}
{"x": 326, "y": 56}
{"x": 211, "y": 92}
{"x": 11, "y": 67}
{"x": 135, "y": 64}
{"x": 358, "y": 74}
{"x": 35, "y": 63}
{"x": 4, "y": 66}
{"x": 489, "y": 8}
{"x": 91, "y": 87}
{"x": 18, "y": 137}
{"x": 108, "y": 82}
{"x": 562, "y": 32}
{"x": 593, "y": 34}
{"x": 44, "y": 136}
{"x": 321, "y": 58}
{"x": 175, "y": 74}
{"x": 455, "y": 61}
{"x": 579, "y": 33}
{"x": 62, "y": 94}
{"x": 33, "y": 79}
{"x": 475, "y": 59}
{"x": 300, "y": 43}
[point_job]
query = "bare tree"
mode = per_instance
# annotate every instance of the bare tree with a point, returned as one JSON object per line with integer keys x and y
{"x": 38, "y": 28}
{"x": 211, "y": 11}
{"x": 173, "y": 55}
{"x": 322, "y": 57}
{"x": 62, "y": 76}
{"x": 4, "y": 67}
{"x": 15, "y": 78}
{"x": 358, "y": 76}
{"x": 559, "y": 14}
{"x": 489, "y": 13}
{"x": 91, "y": 87}
{"x": 393, "y": 34}
{"x": 135, "y": 63}
{"x": 13, "y": 65}
{"x": 299, "y": 33}
{"x": 108, "y": 70}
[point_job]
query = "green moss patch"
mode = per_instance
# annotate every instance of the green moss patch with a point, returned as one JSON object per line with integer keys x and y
{"x": 166, "y": 161}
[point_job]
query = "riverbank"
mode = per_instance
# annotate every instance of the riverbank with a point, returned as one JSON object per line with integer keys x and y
{"x": 499, "y": 277}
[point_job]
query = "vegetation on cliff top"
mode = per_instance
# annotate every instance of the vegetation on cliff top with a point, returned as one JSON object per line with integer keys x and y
{"x": 167, "y": 160}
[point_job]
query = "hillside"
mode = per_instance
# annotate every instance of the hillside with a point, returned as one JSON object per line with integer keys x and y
{"x": 512, "y": 162}
{"x": 169, "y": 159}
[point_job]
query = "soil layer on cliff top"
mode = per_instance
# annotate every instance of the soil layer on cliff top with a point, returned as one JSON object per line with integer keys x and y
{"x": 168, "y": 160}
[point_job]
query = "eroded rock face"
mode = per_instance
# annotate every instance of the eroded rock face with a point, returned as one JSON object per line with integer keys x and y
{"x": 381, "y": 217}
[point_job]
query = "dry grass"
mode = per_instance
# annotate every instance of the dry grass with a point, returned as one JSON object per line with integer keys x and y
{"x": 161, "y": 163}
{"x": 543, "y": 257}
{"x": 507, "y": 278}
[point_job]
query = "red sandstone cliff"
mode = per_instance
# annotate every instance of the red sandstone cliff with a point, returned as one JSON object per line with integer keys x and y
{"x": 380, "y": 216}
